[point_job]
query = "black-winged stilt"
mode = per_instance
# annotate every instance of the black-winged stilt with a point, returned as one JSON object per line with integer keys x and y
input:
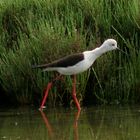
{"x": 74, "y": 64}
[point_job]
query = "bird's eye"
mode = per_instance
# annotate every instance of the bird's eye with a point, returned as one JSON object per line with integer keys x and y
{"x": 113, "y": 44}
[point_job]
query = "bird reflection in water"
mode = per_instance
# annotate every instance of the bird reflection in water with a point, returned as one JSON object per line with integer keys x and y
{"x": 50, "y": 129}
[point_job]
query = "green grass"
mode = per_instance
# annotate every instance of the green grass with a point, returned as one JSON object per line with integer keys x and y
{"x": 35, "y": 32}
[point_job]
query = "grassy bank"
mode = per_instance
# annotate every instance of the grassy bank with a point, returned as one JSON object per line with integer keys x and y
{"x": 34, "y": 32}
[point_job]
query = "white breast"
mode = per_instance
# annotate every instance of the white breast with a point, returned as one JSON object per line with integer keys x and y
{"x": 78, "y": 68}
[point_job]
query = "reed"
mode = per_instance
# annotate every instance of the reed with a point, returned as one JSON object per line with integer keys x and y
{"x": 35, "y": 32}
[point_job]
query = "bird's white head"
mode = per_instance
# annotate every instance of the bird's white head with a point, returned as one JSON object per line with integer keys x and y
{"x": 109, "y": 44}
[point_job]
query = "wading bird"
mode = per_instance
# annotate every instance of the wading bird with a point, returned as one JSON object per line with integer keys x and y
{"x": 74, "y": 64}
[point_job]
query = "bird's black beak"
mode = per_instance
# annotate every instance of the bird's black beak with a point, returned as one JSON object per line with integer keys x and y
{"x": 121, "y": 50}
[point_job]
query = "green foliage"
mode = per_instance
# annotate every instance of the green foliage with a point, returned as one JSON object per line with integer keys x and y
{"x": 34, "y": 32}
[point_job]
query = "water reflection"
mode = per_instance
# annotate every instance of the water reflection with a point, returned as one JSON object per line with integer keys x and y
{"x": 99, "y": 123}
{"x": 49, "y": 127}
{"x": 115, "y": 123}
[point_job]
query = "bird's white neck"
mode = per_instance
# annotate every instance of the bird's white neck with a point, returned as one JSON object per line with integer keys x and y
{"x": 94, "y": 54}
{"x": 99, "y": 51}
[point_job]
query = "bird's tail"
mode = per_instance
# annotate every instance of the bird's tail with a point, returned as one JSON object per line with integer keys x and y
{"x": 39, "y": 66}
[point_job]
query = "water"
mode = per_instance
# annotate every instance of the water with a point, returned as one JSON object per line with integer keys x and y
{"x": 96, "y": 123}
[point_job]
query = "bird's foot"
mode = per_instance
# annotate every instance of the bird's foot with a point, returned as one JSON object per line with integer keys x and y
{"x": 42, "y": 108}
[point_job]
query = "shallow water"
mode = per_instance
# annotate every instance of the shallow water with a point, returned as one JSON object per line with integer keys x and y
{"x": 96, "y": 123}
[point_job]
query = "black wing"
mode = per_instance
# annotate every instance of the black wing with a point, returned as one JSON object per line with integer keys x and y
{"x": 64, "y": 62}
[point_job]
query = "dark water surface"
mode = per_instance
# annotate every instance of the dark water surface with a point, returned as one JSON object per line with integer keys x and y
{"x": 96, "y": 123}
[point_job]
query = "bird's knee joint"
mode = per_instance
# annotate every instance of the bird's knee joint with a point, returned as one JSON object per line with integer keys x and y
{"x": 73, "y": 95}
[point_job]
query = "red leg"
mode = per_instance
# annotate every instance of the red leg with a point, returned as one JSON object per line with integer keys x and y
{"x": 47, "y": 91}
{"x": 74, "y": 93}
{"x": 46, "y": 95}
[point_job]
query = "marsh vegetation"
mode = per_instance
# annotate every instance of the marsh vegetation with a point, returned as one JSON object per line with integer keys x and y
{"x": 34, "y": 32}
